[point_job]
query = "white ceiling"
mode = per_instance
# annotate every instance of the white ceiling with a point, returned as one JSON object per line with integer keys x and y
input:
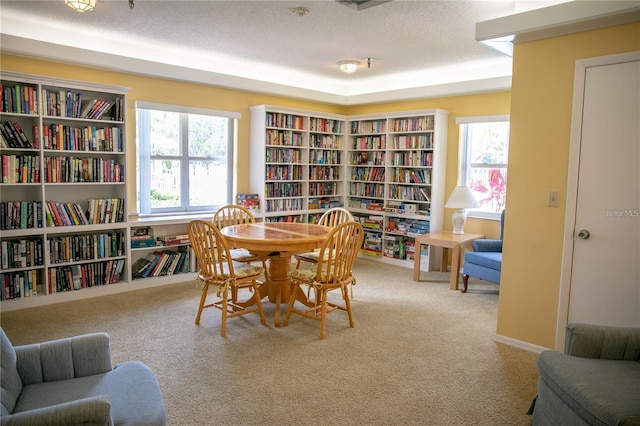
{"x": 417, "y": 48}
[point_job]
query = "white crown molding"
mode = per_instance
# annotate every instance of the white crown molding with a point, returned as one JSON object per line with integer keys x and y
{"x": 330, "y": 94}
{"x": 557, "y": 20}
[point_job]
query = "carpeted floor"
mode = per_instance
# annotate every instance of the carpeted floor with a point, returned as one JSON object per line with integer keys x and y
{"x": 419, "y": 354}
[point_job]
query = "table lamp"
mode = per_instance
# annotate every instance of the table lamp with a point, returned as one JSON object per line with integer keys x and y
{"x": 461, "y": 198}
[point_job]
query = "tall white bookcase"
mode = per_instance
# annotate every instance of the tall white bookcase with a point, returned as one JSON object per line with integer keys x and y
{"x": 387, "y": 169}
{"x": 63, "y": 190}
{"x": 296, "y": 162}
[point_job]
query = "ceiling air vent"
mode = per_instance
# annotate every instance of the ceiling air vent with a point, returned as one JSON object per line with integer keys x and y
{"x": 361, "y": 4}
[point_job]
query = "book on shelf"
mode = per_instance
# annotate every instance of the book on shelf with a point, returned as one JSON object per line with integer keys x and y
{"x": 250, "y": 201}
{"x": 174, "y": 240}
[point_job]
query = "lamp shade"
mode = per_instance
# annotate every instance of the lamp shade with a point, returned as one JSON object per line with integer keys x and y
{"x": 462, "y": 198}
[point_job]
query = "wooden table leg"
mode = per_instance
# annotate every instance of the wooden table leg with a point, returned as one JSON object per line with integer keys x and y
{"x": 278, "y": 282}
{"x": 455, "y": 268}
{"x": 444, "y": 261}
{"x": 416, "y": 260}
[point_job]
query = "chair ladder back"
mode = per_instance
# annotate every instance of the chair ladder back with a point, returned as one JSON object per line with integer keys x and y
{"x": 335, "y": 216}
{"x": 339, "y": 251}
{"x": 232, "y": 214}
{"x": 210, "y": 249}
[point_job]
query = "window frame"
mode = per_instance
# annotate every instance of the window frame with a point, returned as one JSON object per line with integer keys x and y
{"x": 466, "y": 165}
{"x": 144, "y": 157}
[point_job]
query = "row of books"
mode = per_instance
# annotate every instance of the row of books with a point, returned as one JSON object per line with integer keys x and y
{"x": 321, "y": 189}
{"x": 283, "y": 138}
{"x": 284, "y": 172}
{"x": 67, "y": 103}
{"x": 283, "y": 155}
{"x": 20, "y": 215}
{"x": 20, "y": 169}
{"x": 283, "y": 205}
{"x": 324, "y": 173}
{"x": 324, "y": 157}
{"x": 70, "y": 248}
{"x": 370, "y": 126}
{"x": 162, "y": 262}
{"x": 279, "y": 189}
{"x": 371, "y": 174}
{"x": 18, "y": 98}
{"x": 16, "y": 284}
{"x": 23, "y": 253}
{"x": 77, "y": 277}
{"x": 362, "y": 189}
{"x": 287, "y": 121}
{"x": 325, "y": 141}
{"x": 414, "y": 124}
{"x": 299, "y": 219}
{"x": 14, "y": 137}
{"x": 409, "y": 193}
{"x": 413, "y": 158}
{"x": 413, "y": 141}
{"x": 411, "y": 176}
{"x": 87, "y": 138}
{"x": 106, "y": 210}
{"x": 369, "y": 142}
{"x": 326, "y": 125}
{"x": 72, "y": 170}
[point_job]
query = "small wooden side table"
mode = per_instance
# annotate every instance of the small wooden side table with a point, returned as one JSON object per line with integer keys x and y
{"x": 446, "y": 240}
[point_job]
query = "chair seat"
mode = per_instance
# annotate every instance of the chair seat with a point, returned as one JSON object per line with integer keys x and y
{"x": 243, "y": 255}
{"x": 308, "y": 276}
{"x": 311, "y": 256}
{"x": 491, "y": 260}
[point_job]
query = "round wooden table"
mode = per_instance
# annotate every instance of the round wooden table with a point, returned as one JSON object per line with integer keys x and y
{"x": 278, "y": 241}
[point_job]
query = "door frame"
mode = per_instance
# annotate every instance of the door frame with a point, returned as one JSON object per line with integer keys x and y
{"x": 572, "y": 181}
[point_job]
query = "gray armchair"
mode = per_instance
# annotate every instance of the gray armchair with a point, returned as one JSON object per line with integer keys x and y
{"x": 71, "y": 381}
{"x": 485, "y": 261}
{"x": 595, "y": 382}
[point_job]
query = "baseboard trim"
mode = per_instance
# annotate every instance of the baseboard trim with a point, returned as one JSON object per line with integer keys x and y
{"x": 518, "y": 344}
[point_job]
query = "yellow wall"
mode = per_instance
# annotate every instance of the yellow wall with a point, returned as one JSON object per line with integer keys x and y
{"x": 152, "y": 89}
{"x": 541, "y": 104}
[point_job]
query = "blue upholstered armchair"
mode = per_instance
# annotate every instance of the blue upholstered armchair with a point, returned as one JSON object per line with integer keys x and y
{"x": 485, "y": 261}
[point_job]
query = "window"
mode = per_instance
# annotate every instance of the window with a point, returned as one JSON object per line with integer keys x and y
{"x": 185, "y": 158}
{"x": 484, "y": 151}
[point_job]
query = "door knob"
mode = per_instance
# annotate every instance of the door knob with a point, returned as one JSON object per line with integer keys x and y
{"x": 583, "y": 234}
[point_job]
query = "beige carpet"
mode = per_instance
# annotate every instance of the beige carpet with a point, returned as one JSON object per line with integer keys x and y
{"x": 419, "y": 354}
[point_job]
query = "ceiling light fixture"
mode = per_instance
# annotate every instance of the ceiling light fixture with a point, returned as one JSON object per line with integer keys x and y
{"x": 348, "y": 67}
{"x": 300, "y": 11}
{"x": 81, "y": 5}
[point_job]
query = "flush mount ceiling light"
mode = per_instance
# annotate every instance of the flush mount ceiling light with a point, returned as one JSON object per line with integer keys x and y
{"x": 81, "y": 5}
{"x": 348, "y": 67}
{"x": 300, "y": 11}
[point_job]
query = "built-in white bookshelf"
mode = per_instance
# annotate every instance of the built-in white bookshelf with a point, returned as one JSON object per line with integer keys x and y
{"x": 387, "y": 169}
{"x": 63, "y": 191}
{"x": 296, "y": 162}
{"x": 396, "y": 173}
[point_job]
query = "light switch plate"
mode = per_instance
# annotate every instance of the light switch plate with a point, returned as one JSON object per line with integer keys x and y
{"x": 552, "y": 199}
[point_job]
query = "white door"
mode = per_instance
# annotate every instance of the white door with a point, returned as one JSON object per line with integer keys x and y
{"x": 601, "y": 265}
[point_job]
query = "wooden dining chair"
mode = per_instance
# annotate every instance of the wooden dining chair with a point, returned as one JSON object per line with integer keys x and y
{"x": 332, "y": 272}
{"x": 330, "y": 218}
{"x": 234, "y": 214}
{"x": 219, "y": 270}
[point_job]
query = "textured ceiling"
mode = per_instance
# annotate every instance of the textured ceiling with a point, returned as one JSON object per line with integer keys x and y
{"x": 410, "y": 43}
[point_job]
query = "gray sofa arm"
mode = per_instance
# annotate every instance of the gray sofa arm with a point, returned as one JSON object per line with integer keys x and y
{"x": 603, "y": 342}
{"x": 64, "y": 359}
{"x": 487, "y": 245}
{"x": 88, "y": 411}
